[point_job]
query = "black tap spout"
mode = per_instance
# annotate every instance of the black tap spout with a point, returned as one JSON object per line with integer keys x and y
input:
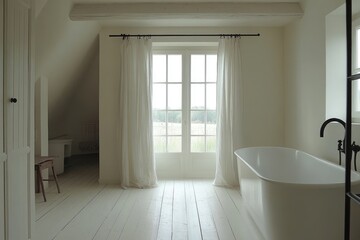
{"x": 329, "y": 121}
{"x": 341, "y": 145}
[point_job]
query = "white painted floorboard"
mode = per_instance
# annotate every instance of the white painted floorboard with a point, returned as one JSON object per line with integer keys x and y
{"x": 175, "y": 210}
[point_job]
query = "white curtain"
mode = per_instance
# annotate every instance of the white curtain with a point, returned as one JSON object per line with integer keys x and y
{"x": 229, "y": 111}
{"x": 136, "y": 154}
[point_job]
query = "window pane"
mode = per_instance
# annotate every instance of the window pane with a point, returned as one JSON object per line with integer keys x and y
{"x": 159, "y": 122}
{"x": 174, "y": 96}
{"x": 174, "y": 123}
{"x": 159, "y": 97}
{"x": 357, "y": 84}
{"x": 197, "y": 144}
{"x": 211, "y": 123}
{"x": 174, "y": 144}
{"x": 211, "y": 96}
{"x": 210, "y": 144}
{"x": 197, "y": 96}
{"x": 160, "y": 144}
{"x": 159, "y": 116}
{"x": 197, "y": 122}
{"x": 159, "y": 68}
{"x": 197, "y": 68}
{"x": 174, "y": 68}
{"x": 211, "y": 68}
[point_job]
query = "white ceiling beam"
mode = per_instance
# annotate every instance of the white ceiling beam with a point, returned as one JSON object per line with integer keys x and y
{"x": 228, "y": 10}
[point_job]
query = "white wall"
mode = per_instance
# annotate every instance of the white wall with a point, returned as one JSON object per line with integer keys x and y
{"x": 262, "y": 61}
{"x": 82, "y": 115}
{"x": 41, "y": 117}
{"x": 305, "y": 82}
{"x": 336, "y": 64}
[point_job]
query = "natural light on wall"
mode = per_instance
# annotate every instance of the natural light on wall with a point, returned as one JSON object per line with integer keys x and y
{"x": 195, "y": 81}
{"x": 336, "y": 66}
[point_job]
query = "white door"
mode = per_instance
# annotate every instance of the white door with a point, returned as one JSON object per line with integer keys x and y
{"x": 16, "y": 110}
{"x": 2, "y": 154}
{"x": 184, "y": 111}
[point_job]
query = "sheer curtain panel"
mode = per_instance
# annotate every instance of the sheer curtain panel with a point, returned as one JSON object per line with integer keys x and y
{"x": 136, "y": 154}
{"x": 229, "y": 111}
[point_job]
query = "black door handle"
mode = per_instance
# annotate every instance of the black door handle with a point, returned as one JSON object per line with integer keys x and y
{"x": 13, "y": 100}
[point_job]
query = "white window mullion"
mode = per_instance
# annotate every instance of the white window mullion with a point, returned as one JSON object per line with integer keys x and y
{"x": 186, "y": 103}
{"x": 167, "y": 107}
{"x": 205, "y": 137}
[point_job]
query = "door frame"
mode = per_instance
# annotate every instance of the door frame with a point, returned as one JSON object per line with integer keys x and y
{"x": 31, "y": 122}
{"x": 2, "y": 153}
{"x": 185, "y": 164}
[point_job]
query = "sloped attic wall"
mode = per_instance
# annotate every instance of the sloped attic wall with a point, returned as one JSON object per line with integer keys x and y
{"x": 39, "y": 4}
{"x": 67, "y": 55}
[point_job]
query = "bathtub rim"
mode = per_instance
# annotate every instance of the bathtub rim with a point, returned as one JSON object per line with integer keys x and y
{"x": 293, "y": 184}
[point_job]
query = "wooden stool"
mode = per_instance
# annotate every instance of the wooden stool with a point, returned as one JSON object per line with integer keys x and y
{"x": 42, "y": 163}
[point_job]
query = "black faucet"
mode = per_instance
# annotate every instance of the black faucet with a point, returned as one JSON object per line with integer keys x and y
{"x": 341, "y": 144}
{"x": 356, "y": 149}
{"x": 329, "y": 121}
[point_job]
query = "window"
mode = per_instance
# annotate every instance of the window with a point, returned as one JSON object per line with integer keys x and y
{"x": 356, "y": 70}
{"x": 184, "y": 91}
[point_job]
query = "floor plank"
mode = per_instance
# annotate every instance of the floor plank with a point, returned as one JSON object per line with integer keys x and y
{"x": 174, "y": 210}
{"x": 206, "y": 219}
{"x": 239, "y": 223}
{"x": 192, "y": 213}
{"x": 95, "y": 214}
{"x": 166, "y": 215}
{"x": 180, "y": 220}
{"x": 221, "y": 220}
{"x": 148, "y": 225}
{"x": 108, "y": 224}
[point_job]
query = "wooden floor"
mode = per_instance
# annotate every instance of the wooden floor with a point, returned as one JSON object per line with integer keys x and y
{"x": 189, "y": 209}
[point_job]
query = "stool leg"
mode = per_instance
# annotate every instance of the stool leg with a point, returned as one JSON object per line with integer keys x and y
{"x": 55, "y": 178}
{"x": 41, "y": 183}
{"x": 37, "y": 180}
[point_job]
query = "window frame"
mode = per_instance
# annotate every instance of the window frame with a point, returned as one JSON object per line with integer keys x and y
{"x": 186, "y": 52}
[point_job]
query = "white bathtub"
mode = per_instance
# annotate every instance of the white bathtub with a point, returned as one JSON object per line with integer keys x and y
{"x": 292, "y": 195}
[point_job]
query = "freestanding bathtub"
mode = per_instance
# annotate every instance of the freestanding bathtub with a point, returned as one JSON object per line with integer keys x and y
{"x": 292, "y": 195}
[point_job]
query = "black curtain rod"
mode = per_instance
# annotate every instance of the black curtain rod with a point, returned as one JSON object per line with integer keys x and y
{"x": 186, "y": 35}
